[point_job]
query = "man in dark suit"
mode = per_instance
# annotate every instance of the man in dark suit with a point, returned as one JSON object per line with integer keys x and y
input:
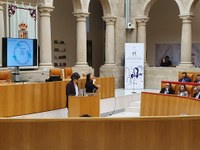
{"x": 198, "y": 79}
{"x": 185, "y": 78}
{"x": 167, "y": 90}
{"x": 72, "y": 86}
{"x": 196, "y": 93}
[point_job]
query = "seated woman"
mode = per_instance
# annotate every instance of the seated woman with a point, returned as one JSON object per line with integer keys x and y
{"x": 163, "y": 62}
{"x": 89, "y": 85}
{"x": 168, "y": 89}
{"x": 183, "y": 91}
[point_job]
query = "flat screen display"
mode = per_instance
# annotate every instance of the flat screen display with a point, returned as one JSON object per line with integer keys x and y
{"x": 19, "y": 52}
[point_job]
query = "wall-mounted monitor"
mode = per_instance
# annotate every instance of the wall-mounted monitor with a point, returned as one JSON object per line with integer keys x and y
{"x": 18, "y": 52}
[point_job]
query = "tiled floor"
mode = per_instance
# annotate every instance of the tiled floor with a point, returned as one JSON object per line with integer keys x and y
{"x": 125, "y": 104}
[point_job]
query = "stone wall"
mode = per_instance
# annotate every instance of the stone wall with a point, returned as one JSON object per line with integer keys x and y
{"x": 154, "y": 75}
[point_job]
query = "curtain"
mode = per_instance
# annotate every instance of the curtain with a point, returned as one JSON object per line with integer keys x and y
{"x": 24, "y": 15}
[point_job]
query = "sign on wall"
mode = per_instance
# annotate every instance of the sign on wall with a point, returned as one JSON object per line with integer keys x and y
{"x": 21, "y": 20}
{"x": 134, "y": 66}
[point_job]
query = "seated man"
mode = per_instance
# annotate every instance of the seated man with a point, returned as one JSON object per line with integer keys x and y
{"x": 168, "y": 62}
{"x": 196, "y": 93}
{"x": 168, "y": 89}
{"x": 198, "y": 79}
{"x": 185, "y": 78}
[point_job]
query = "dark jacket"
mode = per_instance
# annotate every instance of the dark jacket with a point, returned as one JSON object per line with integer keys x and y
{"x": 185, "y": 80}
{"x": 195, "y": 94}
{"x": 196, "y": 81}
{"x": 70, "y": 91}
{"x": 170, "y": 91}
{"x": 90, "y": 87}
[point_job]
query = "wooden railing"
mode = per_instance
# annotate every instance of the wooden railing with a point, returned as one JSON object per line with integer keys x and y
{"x": 20, "y": 99}
{"x": 156, "y": 133}
{"x": 153, "y": 104}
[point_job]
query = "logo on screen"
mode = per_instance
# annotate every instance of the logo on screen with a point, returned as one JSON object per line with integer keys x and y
{"x": 22, "y": 53}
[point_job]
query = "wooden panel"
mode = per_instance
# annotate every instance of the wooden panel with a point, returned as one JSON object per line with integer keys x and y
{"x": 107, "y": 86}
{"x": 80, "y": 105}
{"x": 168, "y": 133}
{"x": 153, "y": 104}
{"x": 19, "y": 99}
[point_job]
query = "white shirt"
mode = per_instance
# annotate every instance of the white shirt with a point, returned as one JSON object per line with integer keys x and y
{"x": 76, "y": 89}
{"x": 197, "y": 96}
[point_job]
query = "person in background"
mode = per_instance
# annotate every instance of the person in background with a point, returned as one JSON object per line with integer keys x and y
{"x": 185, "y": 78}
{"x": 89, "y": 84}
{"x": 168, "y": 89}
{"x": 183, "y": 91}
{"x": 163, "y": 62}
{"x": 196, "y": 93}
{"x": 72, "y": 86}
{"x": 198, "y": 79}
{"x": 167, "y": 61}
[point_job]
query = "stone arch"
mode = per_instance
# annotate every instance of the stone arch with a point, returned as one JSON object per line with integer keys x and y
{"x": 106, "y": 6}
{"x": 77, "y": 4}
{"x": 149, "y": 3}
{"x": 191, "y": 6}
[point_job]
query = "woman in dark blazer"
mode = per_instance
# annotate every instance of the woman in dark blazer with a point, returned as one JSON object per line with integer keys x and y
{"x": 89, "y": 85}
{"x": 72, "y": 86}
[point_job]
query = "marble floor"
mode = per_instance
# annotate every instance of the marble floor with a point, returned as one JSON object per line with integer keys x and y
{"x": 125, "y": 104}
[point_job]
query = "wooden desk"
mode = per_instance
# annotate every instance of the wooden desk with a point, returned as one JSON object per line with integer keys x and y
{"x": 26, "y": 98}
{"x": 153, "y": 104}
{"x": 80, "y": 105}
{"x": 20, "y": 99}
{"x": 107, "y": 86}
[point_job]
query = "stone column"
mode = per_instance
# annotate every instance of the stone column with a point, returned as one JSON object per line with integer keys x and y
{"x": 110, "y": 68}
{"x": 141, "y": 36}
{"x": 2, "y": 30}
{"x": 186, "y": 41}
{"x": 81, "y": 39}
{"x": 110, "y": 40}
{"x": 45, "y": 36}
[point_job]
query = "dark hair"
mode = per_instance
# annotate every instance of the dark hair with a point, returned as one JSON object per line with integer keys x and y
{"x": 136, "y": 69}
{"x": 75, "y": 76}
{"x": 88, "y": 77}
{"x": 198, "y": 75}
{"x": 167, "y": 57}
{"x": 183, "y": 86}
{"x": 185, "y": 73}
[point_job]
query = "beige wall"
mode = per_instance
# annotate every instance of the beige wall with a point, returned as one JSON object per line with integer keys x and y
{"x": 64, "y": 28}
{"x": 196, "y": 24}
{"x": 96, "y": 35}
{"x": 165, "y": 26}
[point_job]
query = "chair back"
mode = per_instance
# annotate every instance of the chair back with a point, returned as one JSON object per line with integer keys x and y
{"x": 189, "y": 75}
{"x": 68, "y": 72}
{"x": 56, "y": 72}
{"x": 5, "y": 76}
